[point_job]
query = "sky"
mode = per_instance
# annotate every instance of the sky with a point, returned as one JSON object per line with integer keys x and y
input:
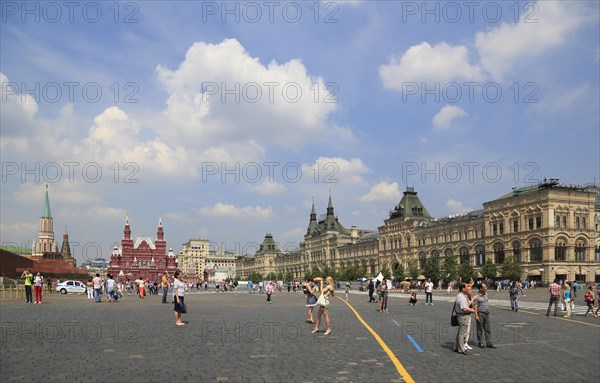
{"x": 228, "y": 119}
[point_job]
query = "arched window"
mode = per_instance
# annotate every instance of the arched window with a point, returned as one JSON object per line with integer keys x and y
{"x": 516, "y": 246}
{"x": 564, "y": 221}
{"x": 577, "y": 222}
{"x": 480, "y": 255}
{"x": 580, "y": 250}
{"x": 557, "y": 221}
{"x": 498, "y": 253}
{"x": 422, "y": 260}
{"x": 464, "y": 255}
{"x": 560, "y": 250}
{"x": 535, "y": 250}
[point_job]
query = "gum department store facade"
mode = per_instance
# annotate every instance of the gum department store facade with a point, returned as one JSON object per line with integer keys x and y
{"x": 553, "y": 229}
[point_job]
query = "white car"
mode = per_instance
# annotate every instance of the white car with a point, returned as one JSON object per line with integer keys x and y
{"x": 74, "y": 287}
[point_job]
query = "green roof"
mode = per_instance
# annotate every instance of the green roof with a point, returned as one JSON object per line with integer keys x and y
{"x": 47, "y": 213}
{"x": 410, "y": 206}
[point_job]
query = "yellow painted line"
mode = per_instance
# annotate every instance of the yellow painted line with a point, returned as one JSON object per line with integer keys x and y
{"x": 399, "y": 367}
{"x": 553, "y": 317}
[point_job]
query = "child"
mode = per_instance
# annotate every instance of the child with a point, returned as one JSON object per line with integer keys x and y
{"x": 413, "y": 299}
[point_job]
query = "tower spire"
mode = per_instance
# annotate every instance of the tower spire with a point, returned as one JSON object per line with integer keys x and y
{"x": 47, "y": 213}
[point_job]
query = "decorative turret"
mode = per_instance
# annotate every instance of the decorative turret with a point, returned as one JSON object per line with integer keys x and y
{"x": 66, "y": 248}
{"x": 46, "y": 242}
{"x": 127, "y": 230}
{"x": 312, "y": 224}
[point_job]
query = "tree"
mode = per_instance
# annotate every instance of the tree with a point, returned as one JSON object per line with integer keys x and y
{"x": 449, "y": 271}
{"x": 400, "y": 273}
{"x": 413, "y": 270}
{"x": 511, "y": 269}
{"x": 272, "y": 276}
{"x": 313, "y": 273}
{"x": 289, "y": 276}
{"x": 255, "y": 277}
{"x": 432, "y": 268}
{"x": 329, "y": 272}
{"x": 386, "y": 273}
{"x": 489, "y": 270}
{"x": 351, "y": 273}
{"x": 466, "y": 272}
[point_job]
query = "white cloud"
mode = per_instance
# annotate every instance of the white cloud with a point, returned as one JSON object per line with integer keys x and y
{"x": 19, "y": 230}
{"x": 445, "y": 117}
{"x": 383, "y": 191}
{"x": 228, "y": 210}
{"x": 336, "y": 170}
{"x": 273, "y": 103}
{"x": 424, "y": 63}
{"x": 105, "y": 213}
{"x": 295, "y": 233}
{"x": 457, "y": 206}
{"x": 60, "y": 193}
{"x": 268, "y": 188}
{"x": 544, "y": 24}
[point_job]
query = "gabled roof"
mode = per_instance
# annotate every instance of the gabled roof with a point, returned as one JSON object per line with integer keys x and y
{"x": 410, "y": 206}
{"x": 148, "y": 240}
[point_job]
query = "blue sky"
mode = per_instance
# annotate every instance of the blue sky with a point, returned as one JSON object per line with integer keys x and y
{"x": 384, "y": 103}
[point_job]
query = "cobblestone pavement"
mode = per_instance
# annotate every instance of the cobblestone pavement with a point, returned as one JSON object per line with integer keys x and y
{"x": 238, "y": 337}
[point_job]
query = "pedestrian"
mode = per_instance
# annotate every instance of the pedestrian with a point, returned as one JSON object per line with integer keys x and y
{"x": 97, "y": 284}
{"x": 567, "y": 299}
{"x": 109, "y": 287}
{"x": 554, "y": 290}
{"x": 38, "y": 283}
{"x": 371, "y": 288}
{"x": 260, "y": 287}
{"x": 347, "y": 291}
{"x": 463, "y": 312}
{"x": 574, "y": 289}
{"x": 90, "y": 289}
{"x": 49, "y": 285}
{"x": 165, "y": 286}
{"x": 383, "y": 296}
{"x": 589, "y": 300}
{"x": 141, "y": 287}
{"x": 311, "y": 299}
{"x": 249, "y": 287}
{"x": 429, "y": 292}
{"x": 598, "y": 299}
{"x": 28, "y": 282}
{"x": 270, "y": 290}
{"x": 128, "y": 287}
{"x": 513, "y": 294}
{"x": 178, "y": 298}
{"x": 413, "y": 299}
{"x": 323, "y": 303}
{"x": 482, "y": 318}
{"x": 289, "y": 286}
{"x": 450, "y": 288}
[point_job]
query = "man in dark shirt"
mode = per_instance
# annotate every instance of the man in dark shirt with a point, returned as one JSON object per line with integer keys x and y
{"x": 482, "y": 317}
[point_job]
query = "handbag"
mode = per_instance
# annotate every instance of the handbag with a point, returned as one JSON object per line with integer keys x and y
{"x": 453, "y": 318}
{"x": 182, "y": 308}
{"x": 323, "y": 301}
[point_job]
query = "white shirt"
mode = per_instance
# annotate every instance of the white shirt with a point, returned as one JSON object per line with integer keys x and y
{"x": 428, "y": 287}
{"x": 180, "y": 286}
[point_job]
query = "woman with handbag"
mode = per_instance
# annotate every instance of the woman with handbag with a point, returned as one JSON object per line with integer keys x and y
{"x": 323, "y": 303}
{"x": 178, "y": 295}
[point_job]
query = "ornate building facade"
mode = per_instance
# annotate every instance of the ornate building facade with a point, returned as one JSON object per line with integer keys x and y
{"x": 263, "y": 261}
{"x": 191, "y": 259}
{"x": 142, "y": 258}
{"x": 550, "y": 228}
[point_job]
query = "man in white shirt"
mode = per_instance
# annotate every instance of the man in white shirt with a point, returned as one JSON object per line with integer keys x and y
{"x": 429, "y": 292}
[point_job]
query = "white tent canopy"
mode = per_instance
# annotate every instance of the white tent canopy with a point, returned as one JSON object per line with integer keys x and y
{"x": 378, "y": 278}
